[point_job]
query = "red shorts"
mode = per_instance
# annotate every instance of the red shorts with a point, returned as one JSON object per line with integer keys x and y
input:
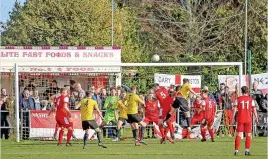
{"x": 64, "y": 122}
{"x": 209, "y": 122}
{"x": 196, "y": 118}
{"x": 244, "y": 127}
{"x": 148, "y": 120}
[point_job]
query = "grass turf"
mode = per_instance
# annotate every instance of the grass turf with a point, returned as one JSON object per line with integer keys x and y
{"x": 222, "y": 148}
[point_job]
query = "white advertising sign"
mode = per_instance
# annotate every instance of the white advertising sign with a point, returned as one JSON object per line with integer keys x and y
{"x": 164, "y": 79}
{"x": 55, "y": 56}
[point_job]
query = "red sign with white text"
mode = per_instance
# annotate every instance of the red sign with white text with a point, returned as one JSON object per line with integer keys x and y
{"x": 40, "y": 119}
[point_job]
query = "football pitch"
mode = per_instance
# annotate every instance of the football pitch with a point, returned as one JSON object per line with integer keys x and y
{"x": 221, "y": 149}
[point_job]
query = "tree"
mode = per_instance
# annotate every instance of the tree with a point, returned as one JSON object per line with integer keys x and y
{"x": 73, "y": 22}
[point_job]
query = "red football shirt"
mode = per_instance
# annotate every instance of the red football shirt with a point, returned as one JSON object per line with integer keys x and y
{"x": 61, "y": 112}
{"x": 245, "y": 106}
{"x": 151, "y": 110}
{"x": 210, "y": 108}
{"x": 164, "y": 99}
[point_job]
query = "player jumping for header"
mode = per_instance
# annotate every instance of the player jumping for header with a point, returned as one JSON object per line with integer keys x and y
{"x": 181, "y": 101}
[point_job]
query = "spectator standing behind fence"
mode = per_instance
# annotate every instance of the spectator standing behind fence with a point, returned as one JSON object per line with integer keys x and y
{"x": 5, "y": 121}
{"x": 219, "y": 93}
{"x": 225, "y": 101}
{"x": 27, "y": 103}
{"x": 72, "y": 86}
{"x": 36, "y": 100}
{"x": 52, "y": 90}
{"x": 256, "y": 94}
{"x": 78, "y": 94}
{"x": 234, "y": 95}
{"x": 103, "y": 96}
{"x": 32, "y": 84}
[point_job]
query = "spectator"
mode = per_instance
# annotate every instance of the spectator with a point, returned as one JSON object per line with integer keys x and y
{"x": 5, "y": 121}
{"x": 52, "y": 90}
{"x": 36, "y": 100}
{"x": 234, "y": 95}
{"x": 264, "y": 104}
{"x": 27, "y": 102}
{"x": 103, "y": 96}
{"x": 171, "y": 90}
{"x": 256, "y": 94}
{"x": 220, "y": 92}
{"x": 32, "y": 84}
{"x": 225, "y": 101}
{"x": 3, "y": 93}
{"x": 72, "y": 86}
{"x": 77, "y": 95}
{"x": 209, "y": 94}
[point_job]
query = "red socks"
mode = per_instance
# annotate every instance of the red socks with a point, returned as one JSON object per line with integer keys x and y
{"x": 170, "y": 126}
{"x": 211, "y": 133}
{"x": 237, "y": 142}
{"x": 60, "y": 136}
{"x": 248, "y": 141}
{"x": 203, "y": 133}
{"x": 56, "y": 128}
{"x": 69, "y": 135}
{"x": 162, "y": 131}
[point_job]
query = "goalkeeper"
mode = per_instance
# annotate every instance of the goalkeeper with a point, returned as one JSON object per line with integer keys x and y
{"x": 109, "y": 105}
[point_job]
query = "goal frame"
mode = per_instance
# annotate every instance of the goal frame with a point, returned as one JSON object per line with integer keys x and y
{"x": 16, "y": 70}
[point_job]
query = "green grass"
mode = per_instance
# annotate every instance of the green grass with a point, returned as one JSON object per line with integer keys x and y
{"x": 192, "y": 149}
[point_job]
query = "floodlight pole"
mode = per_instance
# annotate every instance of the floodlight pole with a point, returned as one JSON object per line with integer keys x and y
{"x": 112, "y": 35}
{"x": 246, "y": 34}
{"x": 16, "y": 84}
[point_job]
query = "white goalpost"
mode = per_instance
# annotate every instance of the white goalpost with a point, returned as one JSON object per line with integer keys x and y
{"x": 118, "y": 80}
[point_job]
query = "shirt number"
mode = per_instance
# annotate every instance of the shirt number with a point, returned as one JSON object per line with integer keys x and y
{"x": 243, "y": 104}
{"x": 210, "y": 104}
{"x": 163, "y": 94}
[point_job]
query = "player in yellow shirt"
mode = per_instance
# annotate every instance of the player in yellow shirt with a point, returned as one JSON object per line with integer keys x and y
{"x": 181, "y": 101}
{"x": 87, "y": 107}
{"x": 134, "y": 119}
{"x": 121, "y": 106}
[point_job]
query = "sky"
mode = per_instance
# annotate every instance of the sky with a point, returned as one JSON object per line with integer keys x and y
{"x": 6, "y": 7}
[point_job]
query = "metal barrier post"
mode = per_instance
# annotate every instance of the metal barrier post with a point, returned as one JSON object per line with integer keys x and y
{"x": 16, "y": 84}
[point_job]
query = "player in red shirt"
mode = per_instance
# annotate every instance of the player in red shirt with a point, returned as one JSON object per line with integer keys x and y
{"x": 209, "y": 107}
{"x": 244, "y": 106}
{"x": 151, "y": 109}
{"x": 198, "y": 113}
{"x": 63, "y": 117}
{"x": 166, "y": 103}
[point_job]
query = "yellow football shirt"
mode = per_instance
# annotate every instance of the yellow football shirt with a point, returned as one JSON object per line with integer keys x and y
{"x": 122, "y": 106}
{"x": 87, "y": 106}
{"x": 185, "y": 90}
{"x": 133, "y": 101}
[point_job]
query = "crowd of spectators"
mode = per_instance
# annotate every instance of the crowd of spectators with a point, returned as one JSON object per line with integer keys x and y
{"x": 31, "y": 99}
